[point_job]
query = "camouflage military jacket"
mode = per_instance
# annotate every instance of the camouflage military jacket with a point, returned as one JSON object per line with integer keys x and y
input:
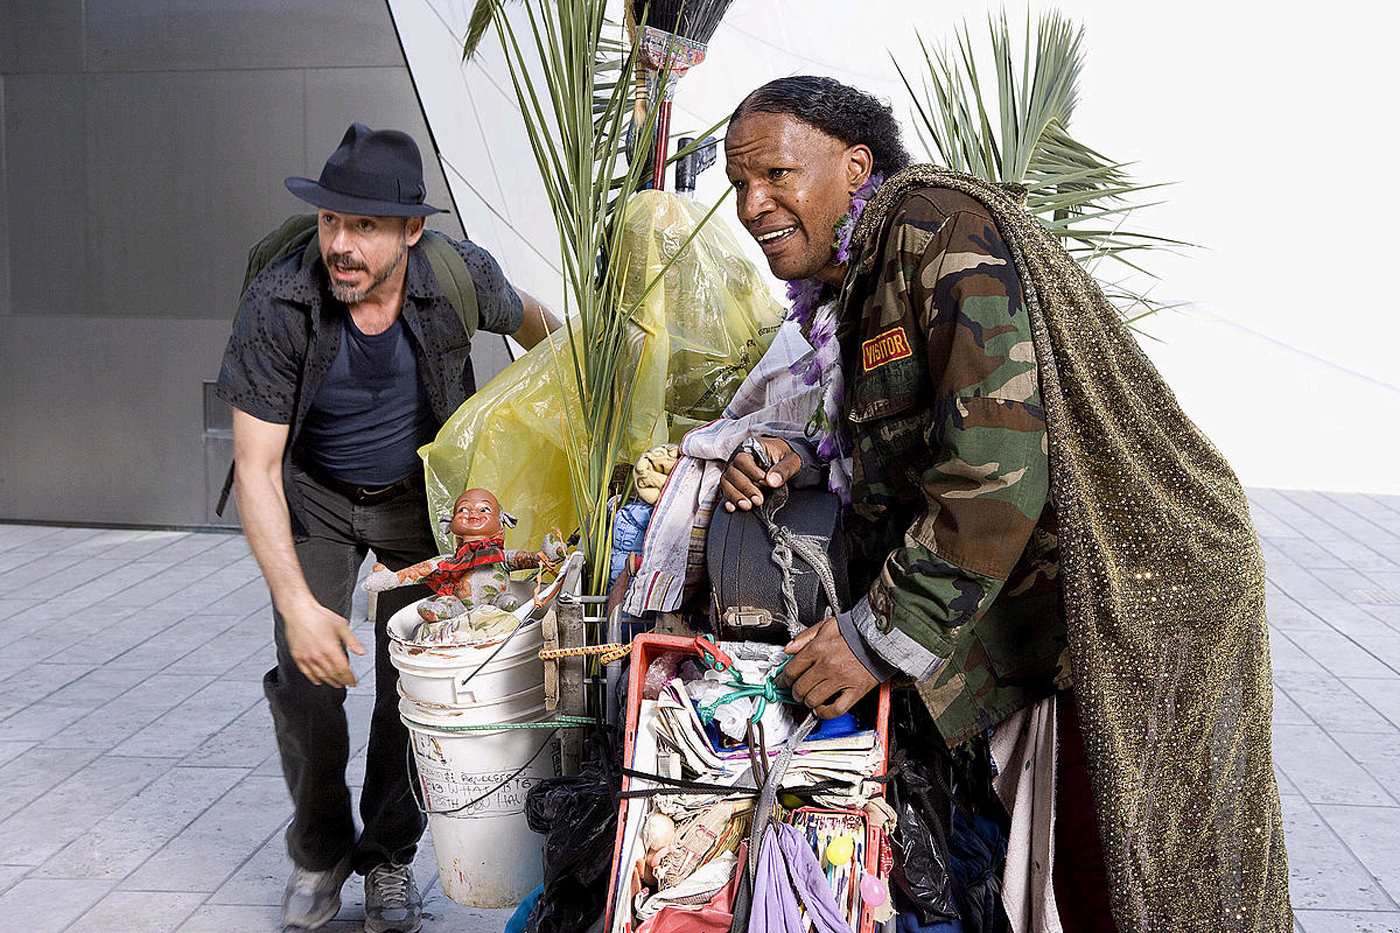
{"x": 952, "y": 533}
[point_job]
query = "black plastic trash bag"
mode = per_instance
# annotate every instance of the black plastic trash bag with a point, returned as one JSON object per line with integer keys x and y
{"x": 578, "y": 817}
{"x": 922, "y": 871}
{"x": 919, "y": 792}
{"x": 949, "y": 841}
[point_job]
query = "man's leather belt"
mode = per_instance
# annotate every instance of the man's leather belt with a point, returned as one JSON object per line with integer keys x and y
{"x": 365, "y": 495}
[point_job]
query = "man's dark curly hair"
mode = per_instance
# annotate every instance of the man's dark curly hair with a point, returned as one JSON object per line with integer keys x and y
{"x": 838, "y": 110}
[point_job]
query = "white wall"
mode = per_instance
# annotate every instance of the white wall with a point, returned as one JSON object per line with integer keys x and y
{"x": 1273, "y": 125}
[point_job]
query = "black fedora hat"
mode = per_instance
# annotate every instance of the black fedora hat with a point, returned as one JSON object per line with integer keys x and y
{"x": 376, "y": 173}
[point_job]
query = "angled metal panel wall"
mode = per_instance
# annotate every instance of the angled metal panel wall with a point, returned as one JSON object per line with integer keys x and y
{"x": 142, "y": 150}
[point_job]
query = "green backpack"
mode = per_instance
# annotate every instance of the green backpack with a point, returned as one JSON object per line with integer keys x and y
{"x": 298, "y": 232}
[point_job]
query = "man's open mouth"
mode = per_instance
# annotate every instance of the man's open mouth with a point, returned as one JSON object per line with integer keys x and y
{"x": 346, "y": 268}
{"x": 773, "y": 236}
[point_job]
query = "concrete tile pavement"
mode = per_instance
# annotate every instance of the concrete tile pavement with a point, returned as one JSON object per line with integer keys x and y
{"x": 142, "y": 791}
{"x": 137, "y": 764}
{"x": 1334, "y": 613}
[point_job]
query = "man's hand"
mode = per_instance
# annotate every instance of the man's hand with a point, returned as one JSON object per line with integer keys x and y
{"x": 317, "y": 639}
{"x": 824, "y": 673}
{"x": 743, "y": 482}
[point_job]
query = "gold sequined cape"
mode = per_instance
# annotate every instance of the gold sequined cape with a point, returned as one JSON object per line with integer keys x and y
{"x": 1164, "y": 604}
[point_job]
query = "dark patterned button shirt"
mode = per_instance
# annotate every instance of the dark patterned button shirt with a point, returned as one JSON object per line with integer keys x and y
{"x": 288, "y": 328}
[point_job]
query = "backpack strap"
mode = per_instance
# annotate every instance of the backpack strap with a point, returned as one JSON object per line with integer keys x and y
{"x": 453, "y": 276}
{"x": 294, "y": 234}
{"x": 224, "y": 492}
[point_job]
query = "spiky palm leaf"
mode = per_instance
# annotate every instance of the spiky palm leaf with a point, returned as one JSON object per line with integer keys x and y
{"x": 567, "y": 77}
{"x": 1023, "y": 138}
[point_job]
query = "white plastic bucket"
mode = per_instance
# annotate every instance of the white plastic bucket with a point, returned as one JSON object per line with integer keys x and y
{"x": 474, "y": 782}
{"x": 474, "y": 785}
{"x": 517, "y": 707}
{"x": 457, "y": 675}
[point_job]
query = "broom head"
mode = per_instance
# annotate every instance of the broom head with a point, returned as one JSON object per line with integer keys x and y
{"x": 696, "y": 20}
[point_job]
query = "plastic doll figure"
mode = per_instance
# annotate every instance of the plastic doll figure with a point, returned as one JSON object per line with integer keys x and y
{"x": 478, "y": 573}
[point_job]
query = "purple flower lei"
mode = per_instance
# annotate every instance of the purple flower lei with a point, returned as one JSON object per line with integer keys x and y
{"x": 819, "y": 320}
{"x": 806, "y": 293}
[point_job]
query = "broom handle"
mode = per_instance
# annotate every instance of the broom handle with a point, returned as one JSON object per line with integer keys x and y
{"x": 663, "y": 139}
{"x": 639, "y": 76}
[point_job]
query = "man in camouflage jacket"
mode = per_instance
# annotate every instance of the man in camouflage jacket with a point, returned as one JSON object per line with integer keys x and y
{"x": 951, "y": 533}
{"x": 965, "y": 355}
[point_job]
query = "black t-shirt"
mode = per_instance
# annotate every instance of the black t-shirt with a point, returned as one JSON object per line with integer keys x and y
{"x": 372, "y": 413}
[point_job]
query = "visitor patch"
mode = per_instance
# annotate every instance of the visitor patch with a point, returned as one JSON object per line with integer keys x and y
{"x": 886, "y": 348}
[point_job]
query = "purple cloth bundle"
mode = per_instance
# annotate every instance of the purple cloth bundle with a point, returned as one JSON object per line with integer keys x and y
{"x": 788, "y": 869}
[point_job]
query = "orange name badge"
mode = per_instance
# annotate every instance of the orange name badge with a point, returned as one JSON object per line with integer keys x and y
{"x": 886, "y": 348}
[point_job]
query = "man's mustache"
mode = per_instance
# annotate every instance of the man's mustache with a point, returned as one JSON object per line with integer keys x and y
{"x": 345, "y": 262}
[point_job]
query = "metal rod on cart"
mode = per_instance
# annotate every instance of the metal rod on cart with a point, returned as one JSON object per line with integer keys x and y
{"x": 594, "y": 671}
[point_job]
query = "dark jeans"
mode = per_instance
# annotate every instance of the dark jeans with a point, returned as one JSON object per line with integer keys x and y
{"x": 312, "y": 736}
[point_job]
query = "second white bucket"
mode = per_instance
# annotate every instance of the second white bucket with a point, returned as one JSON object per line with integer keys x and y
{"x": 474, "y": 785}
{"x": 461, "y": 675}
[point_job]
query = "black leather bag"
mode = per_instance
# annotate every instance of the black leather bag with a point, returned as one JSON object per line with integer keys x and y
{"x": 746, "y": 581}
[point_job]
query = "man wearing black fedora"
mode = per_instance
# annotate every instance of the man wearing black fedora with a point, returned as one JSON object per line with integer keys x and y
{"x": 346, "y": 356}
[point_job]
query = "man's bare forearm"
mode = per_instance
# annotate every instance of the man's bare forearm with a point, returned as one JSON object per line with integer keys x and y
{"x": 262, "y": 508}
{"x": 539, "y": 321}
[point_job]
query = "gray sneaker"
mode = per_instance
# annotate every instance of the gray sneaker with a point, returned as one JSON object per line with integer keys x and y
{"x": 392, "y": 901}
{"x": 312, "y": 898}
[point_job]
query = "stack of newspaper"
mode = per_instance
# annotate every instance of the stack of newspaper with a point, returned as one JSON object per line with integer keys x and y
{"x": 694, "y": 789}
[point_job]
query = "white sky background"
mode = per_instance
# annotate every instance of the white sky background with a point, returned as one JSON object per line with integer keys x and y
{"x": 1275, "y": 126}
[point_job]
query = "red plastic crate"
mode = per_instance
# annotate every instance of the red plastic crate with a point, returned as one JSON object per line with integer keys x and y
{"x": 645, "y": 649}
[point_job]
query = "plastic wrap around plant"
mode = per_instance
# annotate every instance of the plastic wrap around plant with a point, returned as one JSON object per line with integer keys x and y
{"x": 694, "y": 339}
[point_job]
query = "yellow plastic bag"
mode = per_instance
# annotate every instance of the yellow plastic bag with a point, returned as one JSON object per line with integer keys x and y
{"x": 700, "y": 331}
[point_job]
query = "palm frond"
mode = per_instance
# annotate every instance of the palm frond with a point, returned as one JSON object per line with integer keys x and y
{"x": 477, "y": 24}
{"x": 573, "y": 83}
{"x": 1070, "y": 186}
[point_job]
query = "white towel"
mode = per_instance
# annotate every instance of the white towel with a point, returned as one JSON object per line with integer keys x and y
{"x": 1024, "y": 747}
